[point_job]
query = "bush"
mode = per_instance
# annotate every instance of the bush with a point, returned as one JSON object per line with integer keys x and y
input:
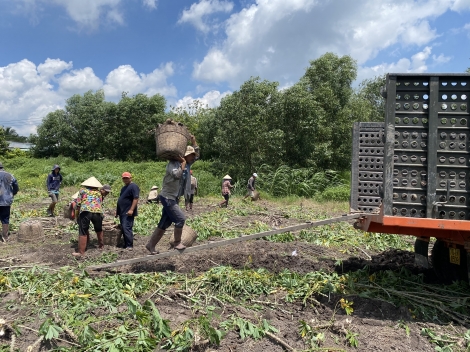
{"x": 335, "y": 193}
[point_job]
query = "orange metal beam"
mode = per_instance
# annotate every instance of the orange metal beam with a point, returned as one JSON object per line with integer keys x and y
{"x": 451, "y": 236}
{"x": 424, "y": 223}
{"x": 453, "y": 231}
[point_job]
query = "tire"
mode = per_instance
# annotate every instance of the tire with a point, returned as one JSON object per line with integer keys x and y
{"x": 445, "y": 270}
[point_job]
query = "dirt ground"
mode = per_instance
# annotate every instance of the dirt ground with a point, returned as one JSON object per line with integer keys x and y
{"x": 379, "y": 324}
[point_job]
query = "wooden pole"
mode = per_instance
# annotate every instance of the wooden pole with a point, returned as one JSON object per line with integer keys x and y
{"x": 225, "y": 242}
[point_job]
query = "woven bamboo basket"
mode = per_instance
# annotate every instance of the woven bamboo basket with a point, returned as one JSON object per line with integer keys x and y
{"x": 68, "y": 210}
{"x": 187, "y": 238}
{"x": 112, "y": 234}
{"x": 30, "y": 231}
{"x": 255, "y": 196}
{"x": 171, "y": 139}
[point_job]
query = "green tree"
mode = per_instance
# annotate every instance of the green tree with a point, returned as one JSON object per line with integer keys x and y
{"x": 50, "y": 134}
{"x": 12, "y": 135}
{"x": 130, "y": 127}
{"x": 244, "y": 132}
{"x": 298, "y": 110}
{"x": 371, "y": 100}
{"x": 3, "y": 142}
{"x": 329, "y": 80}
{"x": 91, "y": 128}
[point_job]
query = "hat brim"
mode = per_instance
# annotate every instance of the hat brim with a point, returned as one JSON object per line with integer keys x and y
{"x": 92, "y": 182}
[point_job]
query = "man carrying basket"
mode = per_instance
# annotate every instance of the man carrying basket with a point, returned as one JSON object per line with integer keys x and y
{"x": 176, "y": 179}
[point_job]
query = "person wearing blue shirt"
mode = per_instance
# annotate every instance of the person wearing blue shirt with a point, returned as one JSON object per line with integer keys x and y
{"x": 53, "y": 182}
{"x": 127, "y": 209}
{"x": 8, "y": 189}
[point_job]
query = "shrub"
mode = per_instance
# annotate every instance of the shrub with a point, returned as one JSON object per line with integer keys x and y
{"x": 336, "y": 193}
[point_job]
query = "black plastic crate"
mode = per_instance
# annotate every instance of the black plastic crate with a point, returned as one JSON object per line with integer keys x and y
{"x": 426, "y": 155}
{"x": 367, "y": 166}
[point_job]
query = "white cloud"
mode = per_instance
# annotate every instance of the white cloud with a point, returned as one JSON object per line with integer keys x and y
{"x": 441, "y": 59}
{"x": 216, "y": 67}
{"x": 275, "y": 39}
{"x": 25, "y": 93}
{"x": 467, "y": 29}
{"x": 79, "y": 81}
{"x": 86, "y": 14}
{"x": 198, "y": 13}
{"x": 419, "y": 35}
{"x": 418, "y": 60}
{"x": 211, "y": 99}
{"x": 151, "y": 4}
{"x": 52, "y": 67}
{"x": 416, "y": 64}
{"x": 28, "y": 93}
{"x": 126, "y": 79}
{"x": 460, "y": 5}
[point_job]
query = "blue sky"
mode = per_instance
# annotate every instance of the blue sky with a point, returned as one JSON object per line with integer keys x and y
{"x": 205, "y": 49}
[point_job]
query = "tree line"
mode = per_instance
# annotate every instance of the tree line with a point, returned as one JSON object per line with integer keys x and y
{"x": 307, "y": 125}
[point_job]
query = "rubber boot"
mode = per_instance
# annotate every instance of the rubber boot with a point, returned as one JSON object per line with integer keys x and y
{"x": 82, "y": 240}
{"x": 178, "y": 233}
{"x": 5, "y": 232}
{"x": 52, "y": 207}
{"x": 154, "y": 239}
{"x": 100, "y": 236}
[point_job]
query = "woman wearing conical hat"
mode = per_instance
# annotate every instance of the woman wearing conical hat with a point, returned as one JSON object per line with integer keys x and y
{"x": 89, "y": 209}
{"x": 226, "y": 187}
{"x": 153, "y": 195}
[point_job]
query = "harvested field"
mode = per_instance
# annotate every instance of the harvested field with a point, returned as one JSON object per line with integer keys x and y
{"x": 325, "y": 289}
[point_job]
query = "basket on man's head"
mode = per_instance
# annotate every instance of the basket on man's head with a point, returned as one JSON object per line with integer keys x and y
{"x": 171, "y": 139}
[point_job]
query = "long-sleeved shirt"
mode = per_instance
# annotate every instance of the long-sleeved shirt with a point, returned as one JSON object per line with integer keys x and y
{"x": 153, "y": 194}
{"x": 53, "y": 181}
{"x": 251, "y": 183}
{"x": 226, "y": 186}
{"x": 175, "y": 180}
{"x": 8, "y": 188}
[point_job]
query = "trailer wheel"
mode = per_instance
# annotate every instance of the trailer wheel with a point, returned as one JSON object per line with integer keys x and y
{"x": 444, "y": 269}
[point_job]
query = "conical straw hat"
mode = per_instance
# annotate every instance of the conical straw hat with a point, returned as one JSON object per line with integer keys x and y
{"x": 75, "y": 196}
{"x": 92, "y": 182}
{"x": 227, "y": 177}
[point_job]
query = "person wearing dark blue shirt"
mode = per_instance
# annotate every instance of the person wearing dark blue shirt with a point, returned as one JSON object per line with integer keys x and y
{"x": 54, "y": 179}
{"x": 127, "y": 209}
{"x": 8, "y": 188}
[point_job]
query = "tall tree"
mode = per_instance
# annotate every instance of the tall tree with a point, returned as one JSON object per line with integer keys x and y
{"x": 244, "y": 133}
{"x": 12, "y": 135}
{"x": 299, "y": 112}
{"x": 329, "y": 80}
{"x": 3, "y": 142}
{"x": 371, "y": 100}
{"x": 91, "y": 128}
{"x": 130, "y": 125}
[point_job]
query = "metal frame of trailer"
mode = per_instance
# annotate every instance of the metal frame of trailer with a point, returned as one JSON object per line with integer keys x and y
{"x": 411, "y": 174}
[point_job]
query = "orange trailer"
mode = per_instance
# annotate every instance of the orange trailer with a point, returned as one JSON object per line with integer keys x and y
{"x": 411, "y": 173}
